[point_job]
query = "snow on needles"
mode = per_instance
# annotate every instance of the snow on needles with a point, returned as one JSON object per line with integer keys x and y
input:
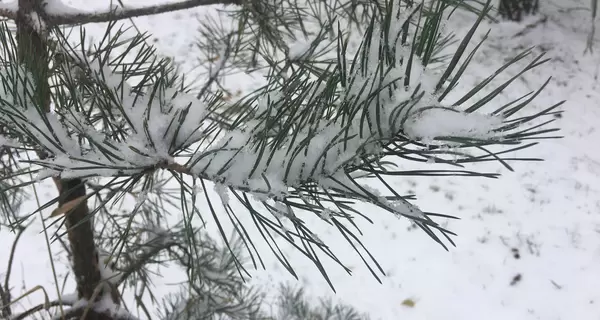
{"x": 432, "y": 123}
{"x": 243, "y": 158}
{"x": 158, "y": 126}
{"x": 59, "y": 8}
{"x": 320, "y": 153}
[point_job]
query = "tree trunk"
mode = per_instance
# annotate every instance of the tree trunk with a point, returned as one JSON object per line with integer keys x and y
{"x": 33, "y": 53}
{"x": 515, "y": 10}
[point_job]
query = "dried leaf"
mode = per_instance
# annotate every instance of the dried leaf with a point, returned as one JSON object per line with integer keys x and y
{"x": 67, "y": 207}
{"x": 409, "y": 303}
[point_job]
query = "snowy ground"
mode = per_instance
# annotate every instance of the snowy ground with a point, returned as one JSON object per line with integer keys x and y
{"x": 528, "y": 244}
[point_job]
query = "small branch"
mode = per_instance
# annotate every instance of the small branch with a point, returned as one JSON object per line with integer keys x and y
{"x": 530, "y": 26}
{"x": 5, "y": 298}
{"x": 125, "y": 13}
{"x": 8, "y": 10}
{"x": 5, "y": 303}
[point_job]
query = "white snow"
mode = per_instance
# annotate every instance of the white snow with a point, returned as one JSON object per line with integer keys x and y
{"x": 428, "y": 124}
{"x": 223, "y": 193}
{"x": 104, "y": 305}
{"x": 6, "y": 142}
{"x": 59, "y": 8}
{"x": 39, "y": 25}
{"x": 105, "y": 264}
{"x": 69, "y": 299}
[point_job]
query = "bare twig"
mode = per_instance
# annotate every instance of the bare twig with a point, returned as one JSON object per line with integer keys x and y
{"x": 5, "y": 297}
{"x": 531, "y": 26}
{"x": 5, "y": 303}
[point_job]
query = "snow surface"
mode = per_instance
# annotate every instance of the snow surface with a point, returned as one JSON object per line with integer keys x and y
{"x": 541, "y": 222}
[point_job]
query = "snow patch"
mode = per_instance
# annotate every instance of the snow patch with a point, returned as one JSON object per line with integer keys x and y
{"x": 59, "y": 8}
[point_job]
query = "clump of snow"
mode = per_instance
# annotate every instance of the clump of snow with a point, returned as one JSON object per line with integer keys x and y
{"x": 223, "y": 193}
{"x": 38, "y": 24}
{"x": 59, "y": 8}
{"x": 326, "y": 214}
{"x": 107, "y": 267}
{"x": 6, "y": 142}
{"x": 69, "y": 299}
{"x": 428, "y": 124}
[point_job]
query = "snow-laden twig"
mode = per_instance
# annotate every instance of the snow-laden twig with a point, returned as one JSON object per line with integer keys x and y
{"x": 60, "y": 14}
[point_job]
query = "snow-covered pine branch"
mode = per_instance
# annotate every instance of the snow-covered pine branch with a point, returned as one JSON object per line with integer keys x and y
{"x": 372, "y": 110}
{"x": 301, "y": 143}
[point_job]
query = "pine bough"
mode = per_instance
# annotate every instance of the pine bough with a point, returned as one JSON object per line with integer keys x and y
{"x": 306, "y": 142}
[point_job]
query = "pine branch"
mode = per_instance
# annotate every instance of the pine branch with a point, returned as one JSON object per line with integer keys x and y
{"x": 303, "y": 143}
{"x": 74, "y": 18}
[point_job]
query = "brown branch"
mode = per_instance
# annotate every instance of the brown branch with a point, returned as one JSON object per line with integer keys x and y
{"x": 120, "y": 13}
{"x": 33, "y": 52}
{"x": 126, "y": 13}
{"x": 5, "y": 303}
